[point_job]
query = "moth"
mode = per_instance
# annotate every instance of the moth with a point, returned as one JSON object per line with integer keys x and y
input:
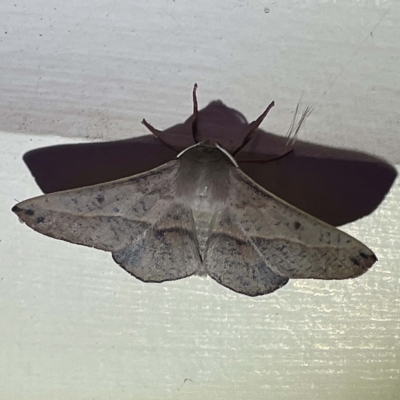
{"x": 199, "y": 214}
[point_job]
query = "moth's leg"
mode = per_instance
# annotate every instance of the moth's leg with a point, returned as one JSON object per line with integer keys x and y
{"x": 157, "y": 134}
{"x": 151, "y": 128}
{"x": 195, "y": 114}
{"x": 277, "y": 158}
{"x": 253, "y": 126}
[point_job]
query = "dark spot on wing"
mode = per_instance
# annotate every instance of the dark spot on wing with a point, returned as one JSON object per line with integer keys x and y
{"x": 40, "y": 220}
{"x": 297, "y": 225}
{"x": 366, "y": 256}
{"x": 16, "y": 209}
{"x": 100, "y": 198}
{"x": 158, "y": 234}
{"x": 282, "y": 247}
{"x": 116, "y": 209}
{"x": 363, "y": 255}
{"x": 355, "y": 261}
{"x": 29, "y": 212}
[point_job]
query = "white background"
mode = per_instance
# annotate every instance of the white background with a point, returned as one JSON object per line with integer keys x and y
{"x": 75, "y": 325}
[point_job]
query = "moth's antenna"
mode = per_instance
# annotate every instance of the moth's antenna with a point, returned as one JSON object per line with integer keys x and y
{"x": 157, "y": 134}
{"x": 253, "y": 127}
{"x": 195, "y": 114}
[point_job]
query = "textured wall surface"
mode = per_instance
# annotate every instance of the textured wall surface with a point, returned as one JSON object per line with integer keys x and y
{"x": 75, "y": 325}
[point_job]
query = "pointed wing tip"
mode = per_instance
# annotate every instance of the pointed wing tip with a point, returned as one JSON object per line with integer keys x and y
{"x": 28, "y": 216}
{"x": 370, "y": 259}
{"x": 361, "y": 264}
{"x": 16, "y": 209}
{"x": 23, "y": 213}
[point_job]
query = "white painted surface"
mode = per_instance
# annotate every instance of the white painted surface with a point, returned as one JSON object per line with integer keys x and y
{"x": 97, "y": 68}
{"x": 75, "y": 325}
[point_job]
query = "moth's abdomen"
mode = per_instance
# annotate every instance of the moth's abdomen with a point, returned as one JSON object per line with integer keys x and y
{"x": 202, "y": 221}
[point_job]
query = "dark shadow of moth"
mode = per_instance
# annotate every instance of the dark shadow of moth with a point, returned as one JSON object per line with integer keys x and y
{"x": 200, "y": 214}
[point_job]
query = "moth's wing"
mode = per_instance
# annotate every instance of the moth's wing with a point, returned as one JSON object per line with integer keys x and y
{"x": 293, "y": 243}
{"x": 118, "y": 216}
{"x": 106, "y": 216}
{"x": 167, "y": 251}
{"x": 233, "y": 260}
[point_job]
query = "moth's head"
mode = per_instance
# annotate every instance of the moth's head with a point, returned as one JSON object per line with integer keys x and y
{"x": 207, "y": 151}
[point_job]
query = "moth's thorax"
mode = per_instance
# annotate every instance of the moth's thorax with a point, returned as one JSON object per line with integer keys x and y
{"x": 203, "y": 177}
